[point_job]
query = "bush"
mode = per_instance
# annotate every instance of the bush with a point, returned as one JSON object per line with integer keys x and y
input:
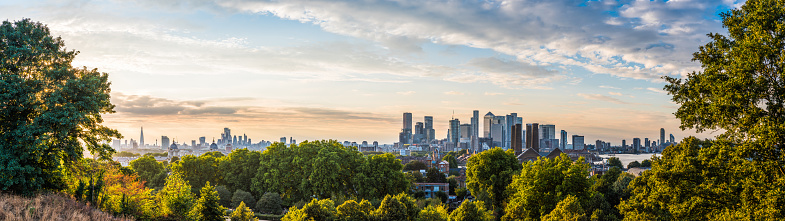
{"x": 242, "y": 213}
{"x": 270, "y": 203}
{"x": 225, "y": 195}
{"x": 242, "y": 196}
{"x": 268, "y": 216}
{"x": 633, "y": 164}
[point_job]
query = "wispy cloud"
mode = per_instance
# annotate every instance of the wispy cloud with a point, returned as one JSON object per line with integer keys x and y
{"x": 453, "y": 93}
{"x": 615, "y": 93}
{"x": 657, "y": 90}
{"x": 406, "y": 92}
{"x": 493, "y": 93}
{"x": 609, "y": 87}
{"x": 601, "y": 97}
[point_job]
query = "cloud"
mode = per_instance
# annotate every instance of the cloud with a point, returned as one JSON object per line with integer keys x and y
{"x": 609, "y": 87}
{"x": 406, "y": 92}
{"x": 453, "y": 93}
{"x": 657, "y": 90}
{"x": 493, "y": 93}
{"x": 601, "y": 97}
{"x": 615, "y": 93}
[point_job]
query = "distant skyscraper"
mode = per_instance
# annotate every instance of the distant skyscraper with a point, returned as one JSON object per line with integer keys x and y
{"x": 202, "y": 141}
{"x": 466, "y": 133}
{"x": 517, "y": 146}
{"x": 245, "y": 140}
{"x": 662, "y": 136}
{"x": 227, "y": 136}
{"x": 646, "y": 144}
{"x": 547, "y": 131}
{"x": 141, "y": 137}
{"x": 487, "y": 122}
{"x": 563, "y": 139}
{"x": 193, "y": 143}
{"x": 636, "y": 144}
{"x": 673, "y": 139}
{"x": 533, "y": 136}
{"x": 406, "y": 132}
{"x": 164, "y": 142}
{"x": 419, "y": 133}
{"x": 455, "y": 131}
{"x": 430, "y": 133}
{"x": 476, "y": 123}
{"x": 283, "y": 140}
{"x": 577, "y": 142}
{"x": 509, "y": 121}
{"x": 624, "y": 144}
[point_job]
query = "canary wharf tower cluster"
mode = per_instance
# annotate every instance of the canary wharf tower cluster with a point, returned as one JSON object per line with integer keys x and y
{"x": 509, "y": 131}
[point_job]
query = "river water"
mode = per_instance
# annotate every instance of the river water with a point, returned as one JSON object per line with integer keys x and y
{"x": 627, "y": 158}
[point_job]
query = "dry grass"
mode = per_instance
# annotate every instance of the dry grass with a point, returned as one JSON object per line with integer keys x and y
{"x": 48, "y": 207}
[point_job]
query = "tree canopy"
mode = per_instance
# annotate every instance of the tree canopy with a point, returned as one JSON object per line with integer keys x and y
{"x": 489, "y": 173}
{"x": 49, "y": 111}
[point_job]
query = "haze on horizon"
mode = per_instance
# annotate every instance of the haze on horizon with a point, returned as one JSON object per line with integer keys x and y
{"x": 347, "y": 70}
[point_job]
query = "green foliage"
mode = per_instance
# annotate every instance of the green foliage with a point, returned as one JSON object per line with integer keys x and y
{"x": 415, "y": 177}
{"x": 391, "y": 209}
{"x": 270, "y": 203}
{"x": 633, "y": 164}
{"x": 241, "y": 196}
{"x": 164, "y": 154}
{"x": 489, "y": 173}
{"x": 471, "y": 211}
{"x": 451, "y": 157}
{"x": 225, "y": 195}
{"x": 545, "y": 182}
{"x": 50, "y": 112}
{"x": 242, "y": 213}
{"x": 380, "y": 175}
{"x": 646, "y": 163}
{"x": 353, "y": 211}
{"x": 432, "y": 175}
{"x": 606, "y": 195}
{"x": 442, "y": 196}
{"x": 615, "y": 162}
{"x": 567, "y": 209}
{"x": 315, "y": 210}
{"x": 453, "y": 184}
{"x": 239, "y": 169}
{"x": 199, "y": 170}
{"x": 150, "y": 171}
{"x": 207, "y": 207}
{"x": 415, "y": 165}
{"x": 175, "y": 198}
{"x": 461, "y": 193}
{"x": 433, "y": 213}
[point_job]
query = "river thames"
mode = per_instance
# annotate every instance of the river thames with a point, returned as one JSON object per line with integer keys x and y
{"x": 627, "y": 158}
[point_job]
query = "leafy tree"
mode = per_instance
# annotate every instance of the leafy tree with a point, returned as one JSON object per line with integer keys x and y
{"x": 489, "y": 173}
{"x": 415, "y": 177}
{"x": 433, "y": 213}
{"x": 615, "y": 162}
{"x": 451, "y": 157}
{"x": 49, "y": 111}
{"x": 646, "y": 163}
{"x": 242, "y": 196}
{"x": 175, "y": 198}
{"x": 391, "y": 209}
{"x": 150, "y": 171}
{"x": 270, "y": 203}
{"x": 568, "y": 209}
{"x": 544, "y": 183}
{"x": 353, "y": 211}
{"x": 239, "y": 169}
{"x": 380, "y": 175}
{"x": 199, "y": 170}
{"x": 442, "y": 196}
{"x": 471, "y": 211}
{"x": 461, "y": 193}
{"x": 225, "y": 195}
{"x": 242, "y": 213}
{"x": 207, "y": 207}
{"x": 739, "y": 92}
{"x": 605, "y": 197}
{"x": 315, "y": 210}
{"x": 434, "y": 176}
{"x": 453, "y": 184}
{"x": 415, "y": 165}
{"x": 633, "y": 164}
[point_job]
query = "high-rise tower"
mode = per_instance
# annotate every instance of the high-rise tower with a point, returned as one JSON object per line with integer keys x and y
{"x": 406, "y": 133}
{"x": 430, "y": 133}
{"x": 487, "y": 121}
{"x": 662, "y": 137}
{"x": 141, "y": 138}
{"x": 476, "y": 123}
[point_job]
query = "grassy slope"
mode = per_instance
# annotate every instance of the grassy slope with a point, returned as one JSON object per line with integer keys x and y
{"x": 48, "y": 207}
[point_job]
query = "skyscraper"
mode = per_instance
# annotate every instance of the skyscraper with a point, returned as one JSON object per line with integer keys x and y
{"x": 227, "y": 136}
{"x": 646, "y": 144}
{"x": 636, "y": 144}
{"x": 487, "y": 122}
{"x": 547, "y": 131}
{"x": 673, "y": 139}
{"x": 475, "y": 123}
{"x": 406, "y": 132}
{"x": 141, "y": 137}
{"x": 430, "y": 133}
{"x": 283, "y": 140}
{"x": 564, "y": 139}
{"x": 662, "y": 136}
{"x": 455, "y": 131}
{"x": 509, "y": 121}
{"x": 164, "y": 142}
{"x": 202, "y": 141}
{"x": 533, "y": 136}
{"x": 517, "y": 144}
{"x": 577, "y": 142}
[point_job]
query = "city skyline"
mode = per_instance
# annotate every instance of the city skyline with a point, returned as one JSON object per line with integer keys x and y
{"x": 345, "y": 71}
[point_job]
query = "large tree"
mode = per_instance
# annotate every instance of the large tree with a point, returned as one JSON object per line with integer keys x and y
{"x": 239, "y": 169}
{"x": 49, "y": 111}
{"x": 489, "y": 173}
{"x": 741, "y": 94}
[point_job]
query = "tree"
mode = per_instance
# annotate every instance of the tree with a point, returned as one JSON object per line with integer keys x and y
{"x": 315, "y": 210}
{"x": 740, "y": 93}
{"x": 442, "y": 196}
{"x": 646, "y": 163}
{"x": 542, "y": 184}
{"x": 150, "y": 171}
{"x": 615, "y": 162}
{"x": 633, "y": 164}
{"x": 380, "y": 175}
{"x": 225, "y": 195}
{"x": 242, "y": 213}
{"x": 433, "y": 213}
{"x": 471, "y": 211}
{"x": 240, "y": 196}
{"x": 390, "y": 209}
{"x": 199, "y": 170}
{"x": 239, "y": 169}
{"x": 415, "y": 165}
{"x": 175, "y": 198}
{"x": 434, "y": 176}
{"x": 207, "y": 207}
{"x": 353, "y": 211}
{"x": 270, "y": 203}
{"x": 568, "y": 209}
{"x": 451, "y": 157}
{"x": 49, "y": 111}
{"x": 489, "y": 173}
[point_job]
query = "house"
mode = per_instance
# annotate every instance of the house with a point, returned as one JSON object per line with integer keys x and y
{"x": 531, "y": 155}
{"x": 430, "y": 189}
{"x": 444, "y": 167}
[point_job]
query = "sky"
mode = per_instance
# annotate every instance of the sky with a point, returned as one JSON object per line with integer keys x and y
{"x": 348, "y": 70}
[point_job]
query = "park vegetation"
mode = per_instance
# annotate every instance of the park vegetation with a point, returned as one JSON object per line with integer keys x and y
{"x": 51, "y": 112}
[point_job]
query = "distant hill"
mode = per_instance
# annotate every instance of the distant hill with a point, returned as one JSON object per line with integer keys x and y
{"x": 48, "y": 207}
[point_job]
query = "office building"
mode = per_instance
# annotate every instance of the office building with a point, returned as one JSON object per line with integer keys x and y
{"x": 509, "y": 121}
{"x": 202, "y": 141}
{"x": 164, "y": 142}
{"x": 454, "y": 131}
{"x": 406, "y": 132}
{"x": 563, "y": 139}
{"x": 547, "y": 131}
{"x": 577, "y": 142}
{"x": 662, "y": 136}
{"x": 487, "y": 122}
{"x": 646, "y": 144}
{"x": 533, "y": 136}
{"x": 673, "y": 139}
{"x": 141, "y": 137}
{"x": 475, "y": 123}
{"x": 636, "y": 144}
{"x": 517, "y": 144}
{"x": 430, "y": 133}
{"x": 283, "y": 140}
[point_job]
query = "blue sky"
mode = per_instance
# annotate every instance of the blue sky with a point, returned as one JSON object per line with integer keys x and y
{"x": 347, "y": 70}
